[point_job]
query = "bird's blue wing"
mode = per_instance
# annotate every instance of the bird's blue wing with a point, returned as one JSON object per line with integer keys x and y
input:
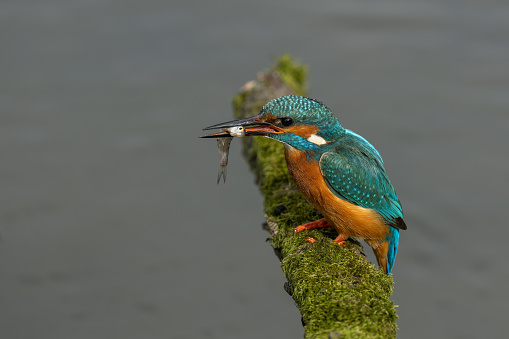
{"x": 358, "y": 177}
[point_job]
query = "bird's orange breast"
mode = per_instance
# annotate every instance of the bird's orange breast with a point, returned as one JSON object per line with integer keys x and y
{"x": 348, "y": 219}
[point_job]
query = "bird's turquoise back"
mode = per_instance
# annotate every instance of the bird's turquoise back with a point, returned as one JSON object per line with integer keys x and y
{"x": 354, "y": 172}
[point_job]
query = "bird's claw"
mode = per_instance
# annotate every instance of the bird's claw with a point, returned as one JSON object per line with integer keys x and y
{"x": 298, "y": 229}
{"x": 340, "y": 240}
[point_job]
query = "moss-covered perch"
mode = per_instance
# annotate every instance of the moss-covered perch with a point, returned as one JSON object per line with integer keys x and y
{"x": 338, "y": 292}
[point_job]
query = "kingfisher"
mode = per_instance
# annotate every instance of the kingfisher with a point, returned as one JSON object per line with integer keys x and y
{"x": 338, "y": 171}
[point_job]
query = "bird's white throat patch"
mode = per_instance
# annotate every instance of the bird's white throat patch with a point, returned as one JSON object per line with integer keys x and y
{"x": 317, "y": 140}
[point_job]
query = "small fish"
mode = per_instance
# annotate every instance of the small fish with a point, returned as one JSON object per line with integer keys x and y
{"x": 237, "y": 131}
{"x": 223, "y": 146}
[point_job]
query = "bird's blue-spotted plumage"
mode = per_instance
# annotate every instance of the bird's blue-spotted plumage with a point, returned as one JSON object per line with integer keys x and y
{"x": 351, "y": 166}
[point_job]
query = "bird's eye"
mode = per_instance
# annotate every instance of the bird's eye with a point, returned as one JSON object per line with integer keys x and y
{"x": 286, "y": 121}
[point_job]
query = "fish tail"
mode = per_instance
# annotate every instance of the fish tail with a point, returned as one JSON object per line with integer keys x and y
{"x": 221, "y": 173}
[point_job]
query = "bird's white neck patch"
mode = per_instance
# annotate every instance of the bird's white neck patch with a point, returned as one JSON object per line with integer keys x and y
{"x": 317, "y": 140}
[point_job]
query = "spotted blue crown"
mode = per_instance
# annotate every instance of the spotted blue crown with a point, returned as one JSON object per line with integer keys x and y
{"x": 305, "y": 111}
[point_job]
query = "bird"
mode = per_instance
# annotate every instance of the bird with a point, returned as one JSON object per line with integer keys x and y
{"x": 338, "y": 171}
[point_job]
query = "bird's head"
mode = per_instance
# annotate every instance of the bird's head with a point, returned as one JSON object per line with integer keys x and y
{"x": 300, "y": 122}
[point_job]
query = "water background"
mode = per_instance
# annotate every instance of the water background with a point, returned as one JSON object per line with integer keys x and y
{"x": 111, "y": 222}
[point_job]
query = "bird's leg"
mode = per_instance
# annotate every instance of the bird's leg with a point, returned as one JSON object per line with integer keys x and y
{"x": 340, "y": 239}
{"x": 310, "y": 225}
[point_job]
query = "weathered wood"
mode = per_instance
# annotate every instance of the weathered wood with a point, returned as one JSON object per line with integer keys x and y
{"x": 338, "y": 292}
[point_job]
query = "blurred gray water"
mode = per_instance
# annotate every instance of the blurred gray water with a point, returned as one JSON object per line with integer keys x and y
{"x": 111, "y": 222}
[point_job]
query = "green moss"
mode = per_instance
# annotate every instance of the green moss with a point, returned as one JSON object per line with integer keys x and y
{"x": 330, "y": 284}
{"x": 293, "y": 73}
{"x": 337, "y": 291}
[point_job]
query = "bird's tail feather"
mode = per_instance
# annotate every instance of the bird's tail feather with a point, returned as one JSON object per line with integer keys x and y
{"x": 393, "y": 239}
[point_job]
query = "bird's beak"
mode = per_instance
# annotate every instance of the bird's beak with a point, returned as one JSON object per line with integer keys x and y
{"x": 252, "y": 125}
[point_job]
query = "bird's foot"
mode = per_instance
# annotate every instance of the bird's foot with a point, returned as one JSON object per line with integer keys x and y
{"x": 310, "y": 225}
{"x": 340, "y": 239}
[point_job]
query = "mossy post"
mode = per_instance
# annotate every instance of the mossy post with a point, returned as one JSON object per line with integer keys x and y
{"x": 338, "y": 292}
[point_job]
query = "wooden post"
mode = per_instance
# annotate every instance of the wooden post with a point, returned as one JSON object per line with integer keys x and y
{"x": 338, "y": 292}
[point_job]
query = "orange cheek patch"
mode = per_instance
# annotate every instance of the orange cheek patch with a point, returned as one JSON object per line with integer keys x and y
{"x": 269, "y": 118}
{"x": 302, "y": 130}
